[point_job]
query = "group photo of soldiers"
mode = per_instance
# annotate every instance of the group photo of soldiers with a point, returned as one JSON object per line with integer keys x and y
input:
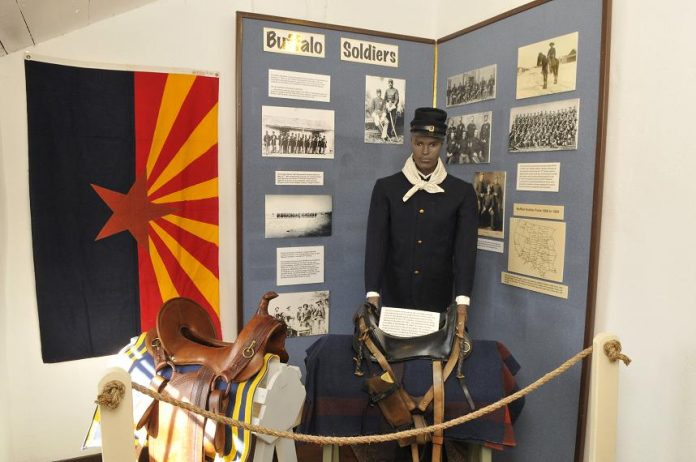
{"x": 472, "y": 86}
{"x": 547, "y": 67}
{"x": 297, "y": 132}
{"x": 385, "y": 100}
{"x": 544, "y": 127}
{"x": 305, "y": 313}
{"x": 469, "y": 139}
{"x": 287, "y": 141}
{"x": 490, "y": 196}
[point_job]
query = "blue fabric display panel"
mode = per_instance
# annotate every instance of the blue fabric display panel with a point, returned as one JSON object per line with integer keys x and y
{"x": 540, "y": 330}
{"x": 348, "y": 177}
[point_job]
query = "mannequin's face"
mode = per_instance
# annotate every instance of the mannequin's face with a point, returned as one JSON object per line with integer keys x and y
{"x": 426, "y": 151}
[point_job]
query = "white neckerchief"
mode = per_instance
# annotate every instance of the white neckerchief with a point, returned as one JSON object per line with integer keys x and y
{"x": 413, "y": 175}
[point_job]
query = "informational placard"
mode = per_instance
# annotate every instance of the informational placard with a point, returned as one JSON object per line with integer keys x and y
{"x": 490, "y": 245}
{"x": 402, "y": 322}
{"x": 299, "y": 265}
{"x": 539, "y": 176}
{"x": 298, "y": 178}
{"x": 549, "y": 212}
{"x": 537, "y": 248}
{"x": 292, "y": 42}
{"x": 299, "y": 85}
{"x": 535, "y": 285}
{"x": 361, "y": 51}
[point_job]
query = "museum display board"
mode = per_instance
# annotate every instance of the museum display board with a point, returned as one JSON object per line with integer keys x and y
{"x": 527, "y": 128}
{"x": 302, "y": 215}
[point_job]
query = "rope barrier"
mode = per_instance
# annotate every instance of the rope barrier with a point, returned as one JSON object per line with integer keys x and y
{"x": 611, "y": 348}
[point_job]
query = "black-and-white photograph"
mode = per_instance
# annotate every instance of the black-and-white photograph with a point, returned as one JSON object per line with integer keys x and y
{"x": 298, "y": 215}
{"x": 490, "y": 194}
{"x": 297, "y": 132}
{"x": 305, "y": 313}
{"x": 546, "y": 67}
{"x": 544, "y": 127}
{"x": 469, "y": 138}
{"x": 472, "y": 86}
{"x": 385, "y": 102}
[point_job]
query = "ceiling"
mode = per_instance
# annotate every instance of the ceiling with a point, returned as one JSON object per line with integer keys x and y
{"x": 24, "y": 23}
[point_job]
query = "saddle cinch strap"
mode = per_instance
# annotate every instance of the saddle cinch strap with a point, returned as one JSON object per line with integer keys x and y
{"x": 394, "y": 402}
{"x": 186, "y": 336}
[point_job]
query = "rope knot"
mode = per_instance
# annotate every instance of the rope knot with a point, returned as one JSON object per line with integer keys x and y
{"x": 612, "y": 349}
{"x": 111, "y": 395}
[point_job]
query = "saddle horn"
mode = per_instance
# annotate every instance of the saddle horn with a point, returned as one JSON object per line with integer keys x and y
{"x": 263, "y": 304}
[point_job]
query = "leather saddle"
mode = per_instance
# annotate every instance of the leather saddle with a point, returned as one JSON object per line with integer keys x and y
{"x": 449, "y": 344}
{"x": 436, "y": 345}
{"x": 185, "y": 335}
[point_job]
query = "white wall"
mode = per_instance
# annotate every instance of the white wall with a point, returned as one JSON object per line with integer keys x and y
{"x": 53, "y": 403}
{"x": 646, "y": 279}
{"x": 4, "y": 371}
{"x": 647, "y": 276}
{"x": 647, "y": 289}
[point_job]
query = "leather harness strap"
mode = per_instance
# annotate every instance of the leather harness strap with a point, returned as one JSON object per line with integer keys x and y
{"x": 196, "y": 423}
{"x": 436, "y": 393}
{"x": 454, "y": 360}
{"x": 386, "y": 366}
{"x": 449, "y": 367}
{"x": 438, "y": 409}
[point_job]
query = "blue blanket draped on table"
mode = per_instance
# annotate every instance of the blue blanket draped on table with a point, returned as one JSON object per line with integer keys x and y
{"x": 337, "y": 405}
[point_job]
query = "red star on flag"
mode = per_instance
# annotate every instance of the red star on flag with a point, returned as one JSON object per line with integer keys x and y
{"x": 132, "y": 212}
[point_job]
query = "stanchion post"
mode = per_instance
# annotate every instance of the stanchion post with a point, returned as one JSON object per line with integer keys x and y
{"x": 603, "y": 406}
{"x": 118, "y": 443}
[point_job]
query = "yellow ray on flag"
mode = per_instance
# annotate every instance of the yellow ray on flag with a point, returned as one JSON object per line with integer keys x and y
{"x": 176, "y": 89}
{"x": 204, "y": 279}
{"x": 206, "y": 190}
{"x": 202, "y": 138}
{"x": 164, "y": 282}
{"x": 206, "y": 231}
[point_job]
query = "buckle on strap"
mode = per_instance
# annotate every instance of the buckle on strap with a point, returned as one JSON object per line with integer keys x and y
{"x": 249, "y": 351}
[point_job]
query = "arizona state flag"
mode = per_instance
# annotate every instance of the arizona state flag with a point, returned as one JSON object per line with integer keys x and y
{"x": 124, "y": 201}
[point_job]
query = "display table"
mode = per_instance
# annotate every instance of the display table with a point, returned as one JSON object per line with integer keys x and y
{"x": 337, "y": 405}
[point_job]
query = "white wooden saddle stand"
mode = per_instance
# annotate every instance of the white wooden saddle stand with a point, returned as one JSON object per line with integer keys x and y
{"x": 280, "y": 397}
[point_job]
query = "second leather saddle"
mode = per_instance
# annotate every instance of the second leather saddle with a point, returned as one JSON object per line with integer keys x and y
{"x": 185, "y": 335}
